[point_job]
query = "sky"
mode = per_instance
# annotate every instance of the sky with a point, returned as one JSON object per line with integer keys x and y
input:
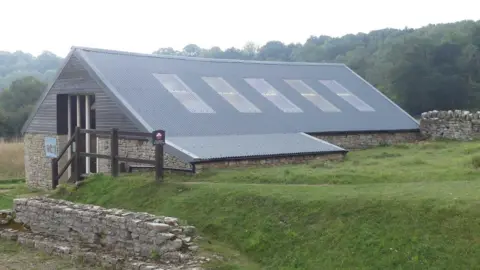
{"x": 146, "y": 25}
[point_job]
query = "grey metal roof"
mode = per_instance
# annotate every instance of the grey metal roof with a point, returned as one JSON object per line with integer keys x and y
{"x": 130, "y": 79}
{"x": 206, "y": 148}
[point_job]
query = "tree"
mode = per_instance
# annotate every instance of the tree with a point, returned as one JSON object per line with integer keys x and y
{"x": 192, "y": 50}
{"x": 17, "y": 102}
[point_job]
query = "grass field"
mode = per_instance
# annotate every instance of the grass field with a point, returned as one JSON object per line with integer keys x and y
{"x": 11, "y": 161}
{"x": 398, "y": 207}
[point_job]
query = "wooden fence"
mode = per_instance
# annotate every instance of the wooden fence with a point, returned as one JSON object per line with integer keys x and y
{"x": 114, "y": 135}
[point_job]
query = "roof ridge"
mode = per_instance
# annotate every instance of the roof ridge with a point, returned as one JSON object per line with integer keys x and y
{"x": 204, "y": 59}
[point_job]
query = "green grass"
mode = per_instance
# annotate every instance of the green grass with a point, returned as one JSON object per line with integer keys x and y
{"x": 381, "y": 226}
{"x": 432, "y": 161}
{"x": 400, "y": 207}
{"x": 14, "y": 188}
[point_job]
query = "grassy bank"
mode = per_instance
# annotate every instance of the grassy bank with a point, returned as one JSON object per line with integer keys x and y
{"x": 381, "y": 226}
{"x": 401, "y": 207}
{"x": 428, "y": 161}
{"x": 14, "y": 188}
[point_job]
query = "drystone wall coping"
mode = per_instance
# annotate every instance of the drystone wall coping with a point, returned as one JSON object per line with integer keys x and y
{"x": 451, "y": 114}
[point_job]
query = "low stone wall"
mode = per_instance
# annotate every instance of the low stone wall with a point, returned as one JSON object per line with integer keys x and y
{"x": 457, "y": 125}
{"x": 274, "y": 161}
{"x": 90, "y": 256}
{"x": 134, "y": 235}
{"x": 351, "y": 141}
{"x": 135, "y": 149}
{"x": 38, "y": 167}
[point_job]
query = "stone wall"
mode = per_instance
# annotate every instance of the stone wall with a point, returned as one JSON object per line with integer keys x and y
{"x": 135, "y": 149}
{"x": 129, "y": 234}
{"x": 108, "y": 238}
{"x": 38, "y": 172}
{"x": 457, "y": 125}
{"x": 351, "y": 141}
{"x": 273, "y": 161}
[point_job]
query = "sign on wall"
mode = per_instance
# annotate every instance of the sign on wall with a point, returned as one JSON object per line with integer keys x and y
{"x": 51, "y": 147}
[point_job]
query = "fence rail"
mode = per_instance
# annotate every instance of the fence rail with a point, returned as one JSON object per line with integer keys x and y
{"x": 114, "y": 157}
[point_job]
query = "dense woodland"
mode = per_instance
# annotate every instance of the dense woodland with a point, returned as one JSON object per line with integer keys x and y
{"x": 434, "y": 67}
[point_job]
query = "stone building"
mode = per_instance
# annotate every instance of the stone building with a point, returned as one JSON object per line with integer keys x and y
{"x": 216, "y": 113}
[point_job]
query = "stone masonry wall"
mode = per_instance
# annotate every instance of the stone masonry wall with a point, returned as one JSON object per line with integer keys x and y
{"x": 457, "y": 125}
{"x": 134, "y": 235}
{"x": 353, "y": 141}
{"x": 37, "y": 165}
{"x": 276, "y": 161}
{"x": 135, "y": 149}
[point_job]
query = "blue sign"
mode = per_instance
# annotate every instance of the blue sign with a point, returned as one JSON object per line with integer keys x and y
{"x": 51, "y": 147}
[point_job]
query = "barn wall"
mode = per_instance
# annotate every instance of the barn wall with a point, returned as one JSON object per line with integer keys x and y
{"x": 270, "y": 162}
{"x": 38, "y": 172}
{"x": 75, "y": 79}
{"x": 135, "y": 149}
{"x": 352, "y": 141}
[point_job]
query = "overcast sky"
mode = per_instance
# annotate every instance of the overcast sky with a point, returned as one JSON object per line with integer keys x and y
{"x": 146, "y": 25}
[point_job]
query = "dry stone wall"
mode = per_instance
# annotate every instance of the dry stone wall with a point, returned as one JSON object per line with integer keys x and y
{"x": 452, "y": 124}
{"x": 112, "y": 238}
{"x": 119, "y": 231}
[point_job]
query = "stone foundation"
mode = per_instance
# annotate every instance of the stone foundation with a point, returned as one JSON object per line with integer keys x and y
{"x": 38, "y": 169}
{"x": 135, "y": 149}
{"x": 112, "y": 236}
{"x": 274, "y": 161}
{"x": 456, "y": 125}
{"x": 352, "y": 141}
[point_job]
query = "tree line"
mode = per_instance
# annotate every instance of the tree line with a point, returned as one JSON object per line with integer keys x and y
{"x": 18, "y": 65}
{"x": 433, "y": 67}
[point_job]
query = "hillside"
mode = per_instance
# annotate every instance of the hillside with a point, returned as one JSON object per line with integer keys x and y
{"x": 20, "y": 64}
{"x": 399, "y": 207}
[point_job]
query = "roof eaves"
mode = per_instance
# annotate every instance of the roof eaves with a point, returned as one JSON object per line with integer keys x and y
{"x": 256, "y": 157}
{"x": 367, "y": 131}
{"x": 204, "y": 59}
{"x": 112, "y": 92}
{"x": 45, "y": 93}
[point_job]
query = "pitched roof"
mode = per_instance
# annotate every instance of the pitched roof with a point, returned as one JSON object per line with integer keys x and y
{"x": 208, "y": 148}
{"x": 172, "y": 93}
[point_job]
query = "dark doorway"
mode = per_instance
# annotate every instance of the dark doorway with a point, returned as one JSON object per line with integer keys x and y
{"x": 81, "y": 143}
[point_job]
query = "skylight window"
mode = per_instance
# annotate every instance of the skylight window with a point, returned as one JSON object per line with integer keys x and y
{"x": 346, "y": 95}
{"x": 272, "y": 94}
{"x": 231, "y": 95}
{"x": 183, "y": 93}
{"x": 311, "y": 95}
